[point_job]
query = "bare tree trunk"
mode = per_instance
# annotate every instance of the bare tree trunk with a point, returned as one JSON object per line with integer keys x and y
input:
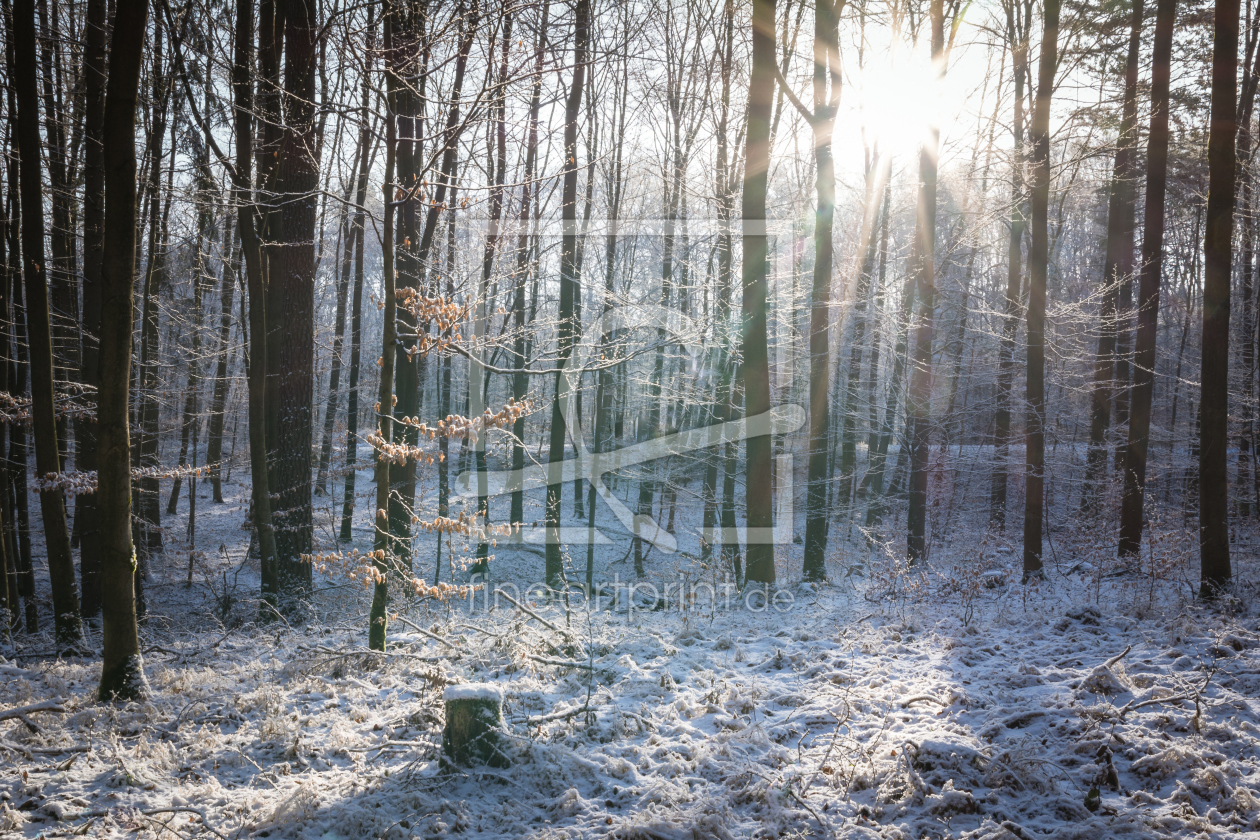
{"x": 8, "y": 553}
{"x": 1017, "y": 33}
{"x": 753, "y": 337}
{"x": 923, "y": 266}
{"x": 382, "y": 543}
{"x": 20, "y": 541}
{"x": 826, "y": 68}
{"x": 356, "y": 314}
{"x": 68, "y": 632}
{"x": 519, "y": 352}
{"x": 339, "y": 330}
{"x": 147, "y": 533}
{"x": 192, "y": 393}
{"x": 122, "y": 669}
{"x": 247, "y": 222}
{"x": 476, "y": 378}
{"x": 408, "y": 60}
{"x": 294, "y": 284}
{"x": 60, "y": 272}
{"x": 1038, "y": 260}
{"x": 570, "y": 288}
{"x": 1151, "y": 275}
{"x": 86, "y": 521}
{"x": 1116, "y": 274}
{"x": 1218, "y": 261}
{"x": 218, "y": 404}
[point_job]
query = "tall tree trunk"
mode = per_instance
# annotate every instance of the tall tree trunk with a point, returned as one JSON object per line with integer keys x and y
{"x": 15, "y": 488}
{"x": 923, "y": 265}
{"x": 8, "y": 554}
{"x": 93, "y": 254}
{"x": 475, "y": 370}
{"x": 753, "y": 339}
{"x": 339, "y": 330}
{"x": 294, "y": 284}
{"x": 68, "y": 631}
{"x": 569, "y": 290}
{"x": 411, "y": 261}
{"x": 17, "y": 459}
{"x": 1132, "y": 513}
{"x": 122, "y": 669}
{"x": 1038, "y": 260}
{"x": 247, "y": 223}
{"x": 383, "y": 544}
{"x": 1116, "y": 273}
{"x": 1017, "y": 28}
{"x": 520, "y": 381}
{"x": 147, "y": 533}
{"x": 60, "y": 271}
{"x": 1218, "y": 264}
{"x": 192, "y": 392}
{"x": 407, "y": 60}
{"x": 218, "y": 403}
{"x": 826, "y": 68}
{"x": 356, "y": 309}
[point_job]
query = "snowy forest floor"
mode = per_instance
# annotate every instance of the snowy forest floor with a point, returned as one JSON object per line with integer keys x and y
{"x": 949, "y": 703}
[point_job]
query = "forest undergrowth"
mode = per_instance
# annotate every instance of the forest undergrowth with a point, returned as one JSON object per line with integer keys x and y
{"x": 941, "y": 701}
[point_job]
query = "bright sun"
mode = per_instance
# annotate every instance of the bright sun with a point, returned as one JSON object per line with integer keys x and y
{"x": 898, "y": 103}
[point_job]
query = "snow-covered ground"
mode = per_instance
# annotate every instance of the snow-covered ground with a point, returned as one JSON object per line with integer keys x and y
{"x": 884, "y": 704}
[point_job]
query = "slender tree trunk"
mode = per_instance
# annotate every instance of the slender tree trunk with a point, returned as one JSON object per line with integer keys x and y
{"x": 218, "y": 404}
{"x": 923, "y": 265}
{"x": 411, "y": 263}
{"x": 1116, "y": 274}
{"x": 1131, "y": 506}
{"x": 93, "y": 254}
{"x": 569, "y": 290}
{"x": 339, "y": 330}
{"x": 1038, "y": 260}
{"x": 192, "y": 392}
{"x": 247, "y": 223}
{"x": 17, "y": 482}
{"x": 868, "y": 246}
{"x": 122, "y": 669}
{"x": 753, "y": 338}
{"x": 356, "y": 314}
{"x": 520, "y": 381}
{"x": 407, "y": 61}
{"x": 1017, "y": 35}
{"x": 1246, "y": 437}
{"x": 1218, "y": 262}
{"x": 476, "y": 378}
{"x": 147, "y": 532}
{"x": 15, "y": 485}
{"x": 444, "y": 389}
{"x": 8, "y": 553}
{"x": 826, "y": 64}
{"x": 382, "y": 542}
{"x": 68, "y": 631}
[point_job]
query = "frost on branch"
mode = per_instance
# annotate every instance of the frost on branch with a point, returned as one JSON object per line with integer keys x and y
{"x": 454, "y": 426}
{"x": 68, "y": 404}
{"x": 371, "y": 567}
{"x": 82, "y": 483}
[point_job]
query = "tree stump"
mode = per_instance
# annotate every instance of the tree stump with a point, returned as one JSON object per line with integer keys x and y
{"x": 474, "y": 715}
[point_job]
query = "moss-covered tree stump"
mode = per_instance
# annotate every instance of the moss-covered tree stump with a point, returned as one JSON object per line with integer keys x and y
{"x": 474, "y": 716}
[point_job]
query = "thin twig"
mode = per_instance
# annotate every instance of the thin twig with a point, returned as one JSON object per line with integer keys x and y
{"x": 432, "y": 636}
{"x": 527, "y": 610}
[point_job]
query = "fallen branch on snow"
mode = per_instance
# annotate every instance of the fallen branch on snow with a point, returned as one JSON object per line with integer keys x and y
{"x": 21, "y": 712}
